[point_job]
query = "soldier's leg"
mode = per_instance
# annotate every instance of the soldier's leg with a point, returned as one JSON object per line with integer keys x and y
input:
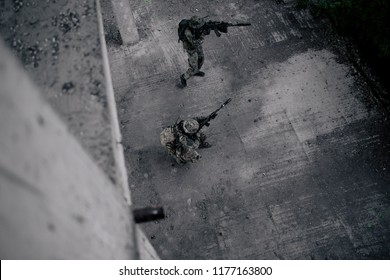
{"x": 200, "y": 57}
{"x": 193, "y": 67}
{"x": 202, "y": 136}
{"x": 187, "y": 155}
{"x": 179, "y": 160}
{"x": 179, "y": 156}
{"x": 202, "y": 140}
{"x": 193, "y": 64}
{"x": 192, "y": 156}
{"x": 171, "y": 149}
{"x": 199, "y": 50}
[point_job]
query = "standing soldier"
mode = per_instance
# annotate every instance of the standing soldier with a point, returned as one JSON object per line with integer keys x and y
{"x": 183, "y": 139}
{"x": 191, "y": 33}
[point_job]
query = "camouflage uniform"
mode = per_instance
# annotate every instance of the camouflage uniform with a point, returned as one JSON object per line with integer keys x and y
{"x": 182, "y": 140}
{"x": 193, "y": 46}
{"x": 194, "y": 49}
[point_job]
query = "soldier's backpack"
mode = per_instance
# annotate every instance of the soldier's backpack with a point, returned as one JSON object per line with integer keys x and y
{"x": 183, "y": 24}
{"x": 167, "y": 136}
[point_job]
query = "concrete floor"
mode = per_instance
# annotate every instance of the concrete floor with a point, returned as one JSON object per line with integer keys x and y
{"x": 300, "y": 157}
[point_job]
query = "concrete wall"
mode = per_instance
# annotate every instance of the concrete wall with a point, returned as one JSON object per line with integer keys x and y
{"x": 58, "y": 45}
{"x": 62, "y": 178}
{"x": 54, "y": 200}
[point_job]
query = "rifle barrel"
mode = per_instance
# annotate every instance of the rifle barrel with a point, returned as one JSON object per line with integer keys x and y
{"x": 240, "y": 24}
{"x": 223, "y": 105}
{"x": 221, "y": 23}
{"x": 227, "y": 101}
{"x": 213, "y": 115}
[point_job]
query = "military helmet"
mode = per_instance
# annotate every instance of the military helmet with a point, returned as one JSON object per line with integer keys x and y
{"x": 190, "y": 126}
{"x": 196, "y": 22}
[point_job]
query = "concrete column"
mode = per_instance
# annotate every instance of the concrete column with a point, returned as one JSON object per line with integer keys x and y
{"x": 125, "y": 20}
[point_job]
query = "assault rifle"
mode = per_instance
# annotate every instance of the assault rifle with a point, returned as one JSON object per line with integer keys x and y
{"x": 206, "y": 120}
{"x": 220, "y": 26}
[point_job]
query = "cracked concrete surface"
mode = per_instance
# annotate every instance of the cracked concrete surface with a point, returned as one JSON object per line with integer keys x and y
{"x": 300, "y": 157}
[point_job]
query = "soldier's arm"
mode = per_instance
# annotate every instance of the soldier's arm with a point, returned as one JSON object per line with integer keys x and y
{"x": 206, "y": 31}
{"x": 191, "y": 38}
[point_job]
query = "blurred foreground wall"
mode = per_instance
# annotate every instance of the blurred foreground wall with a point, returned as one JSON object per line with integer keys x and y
{"x": 54, "y": 200}
{"x": 62, "y": 185}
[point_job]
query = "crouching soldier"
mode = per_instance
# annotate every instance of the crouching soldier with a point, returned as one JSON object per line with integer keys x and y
{"x": 183, "y": 139}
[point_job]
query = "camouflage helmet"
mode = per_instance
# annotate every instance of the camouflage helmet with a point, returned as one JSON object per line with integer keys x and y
{"x": 196, "y": 22}
{"x": 190, "y": 126}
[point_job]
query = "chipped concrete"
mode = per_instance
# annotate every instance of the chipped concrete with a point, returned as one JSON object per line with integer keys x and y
{"x": 300, "y": 157}
{"x": 58, "y": 44}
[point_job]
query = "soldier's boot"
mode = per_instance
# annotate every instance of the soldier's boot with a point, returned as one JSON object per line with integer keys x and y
{"x": 200, "y": 74}
{"x": 205, "y": 145}
{"x": 183, "y": 81}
